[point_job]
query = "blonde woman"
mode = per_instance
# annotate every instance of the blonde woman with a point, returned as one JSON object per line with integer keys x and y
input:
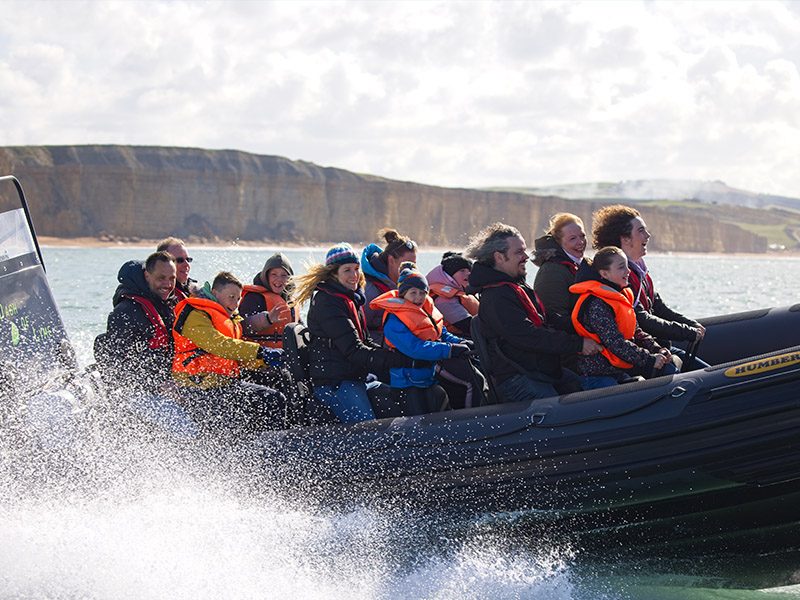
{"x": 341, "y": 353}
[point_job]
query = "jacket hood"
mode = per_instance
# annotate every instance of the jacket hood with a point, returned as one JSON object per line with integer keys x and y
{"x": 439, "y": 276}
{"x": 279, "y": 259}
{"x": 372, "y": 266}
{"x": 482, "y": 275}
{"x": 587, "y": 272}
{"x": 546, "y": 248}
{"x": 131, "y": 281}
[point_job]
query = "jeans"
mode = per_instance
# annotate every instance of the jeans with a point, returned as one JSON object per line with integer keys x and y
{"x": 518, "y": 388}
{"x": 348, "y": 400}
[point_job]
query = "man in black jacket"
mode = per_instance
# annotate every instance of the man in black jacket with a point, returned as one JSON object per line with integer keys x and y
{"x": 525, "y": 355}
{"x": 137, "y": 348}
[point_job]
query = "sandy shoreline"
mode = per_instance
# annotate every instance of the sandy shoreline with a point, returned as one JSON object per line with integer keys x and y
{"x": 90, "y": 242}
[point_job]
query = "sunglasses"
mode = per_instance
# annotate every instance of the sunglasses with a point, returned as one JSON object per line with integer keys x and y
{"x": 410, "y": 245}
{"x": 180, "y": 260}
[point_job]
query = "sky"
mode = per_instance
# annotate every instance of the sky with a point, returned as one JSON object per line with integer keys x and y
{"x": 463, "y": 94}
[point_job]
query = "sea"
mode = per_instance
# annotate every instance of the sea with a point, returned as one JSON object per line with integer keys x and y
{"x": 166, "y": 525}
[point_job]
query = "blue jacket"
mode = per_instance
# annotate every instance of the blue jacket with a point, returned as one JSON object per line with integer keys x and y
{"x": 406, "y": 342}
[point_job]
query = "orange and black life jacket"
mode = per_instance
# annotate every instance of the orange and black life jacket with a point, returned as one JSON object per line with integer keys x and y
{"x": 624, "y": 315}
{"x": 193, "y": 360}
{"x": 160, "y": 339}
{"x": 535, "y": 311}
{"x": 424, "y": 322}
{"x": 271, "y": 336}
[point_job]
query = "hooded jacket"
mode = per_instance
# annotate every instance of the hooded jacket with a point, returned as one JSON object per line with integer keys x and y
{"x": 126, "y": 352}
{"x": 510, "y": 333}
{"x": 456, "y": 306}
{"x": 598, "y": 317}
{"x": 556, "y": 273}
{"x": 378, "y": 282}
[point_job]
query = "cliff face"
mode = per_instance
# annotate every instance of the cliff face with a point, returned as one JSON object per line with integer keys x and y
{"x": 153, "y": 192}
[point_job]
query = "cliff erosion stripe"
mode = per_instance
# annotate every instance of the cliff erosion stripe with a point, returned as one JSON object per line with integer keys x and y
{"x": 766, "y": 364}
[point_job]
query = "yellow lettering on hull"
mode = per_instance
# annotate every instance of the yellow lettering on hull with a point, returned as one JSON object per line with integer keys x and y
{"x": 767, "y": 364}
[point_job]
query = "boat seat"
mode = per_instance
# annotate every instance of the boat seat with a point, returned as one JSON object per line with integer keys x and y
{"x": 296, "y": 338}
{"x": 482, "y": 349}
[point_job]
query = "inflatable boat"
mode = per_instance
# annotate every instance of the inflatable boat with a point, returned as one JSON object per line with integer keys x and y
{"x": 717, "y": 446}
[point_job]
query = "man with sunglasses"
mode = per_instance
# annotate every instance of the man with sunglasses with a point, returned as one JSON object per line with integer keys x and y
{"x": 184, "y": 284}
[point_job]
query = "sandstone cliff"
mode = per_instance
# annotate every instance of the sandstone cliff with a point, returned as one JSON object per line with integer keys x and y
{"x": 152, "y": 192}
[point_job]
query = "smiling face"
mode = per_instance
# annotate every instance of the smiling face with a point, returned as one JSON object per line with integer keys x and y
{"x": 415, "y": 296}
{"x": 162, "y": 280}
{"x": 513, "y": 261}
{"x": 228, "y": 296}
{"x": 461, "y": 277}
{"x": 277, "y": 279}
{"x": 348, "y": 275}
{"x": 182, "y": 260}
{"x": 635, "y": 245}
{"x": 617, "y": 271}
{"x": 573, "y": 240}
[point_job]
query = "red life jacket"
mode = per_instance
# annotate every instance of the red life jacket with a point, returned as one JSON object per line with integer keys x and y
{"x": 535, "y": 311}
{"x": 356, "y": 312}
{"x": 644, "y": 291}
{"x": 573, "y": 268}
{"x": 160, "y": 339}
{"x": 624, "y": 315}
{"x": 193, "y": 360}
{"x": 272, "y": 335}
{"x": 424, "y": 322}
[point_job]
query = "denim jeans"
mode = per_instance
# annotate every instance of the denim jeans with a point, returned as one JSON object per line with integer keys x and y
{"x": 521, "y": 387}
{"x": 348, "y": 400}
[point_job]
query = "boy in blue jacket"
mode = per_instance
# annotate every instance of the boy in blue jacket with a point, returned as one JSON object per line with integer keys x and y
{"x": 413, "y": 326}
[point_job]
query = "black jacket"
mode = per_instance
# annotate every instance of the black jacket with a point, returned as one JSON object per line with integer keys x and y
{"x": 337, "y": 353}
{"x": 511, "y": 335}
{"x": 123, "y": 351}
{"x": 552, "y": 283}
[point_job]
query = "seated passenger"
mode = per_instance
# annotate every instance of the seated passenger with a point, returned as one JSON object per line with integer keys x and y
{"x": 271, "y": 294}
{"x": 558, "y": 254}
{"x": 448, "y": 282}
{"x": 413, "y": 326}
{"x": 209, "y": 356}
{"x": 136, "y": 350}
{"x": 604, "y": 313}
{"x": 525, "y": 354}
{"x": 381, "y": 268}
{"x": 343, "y": 358}
{"x": 623, "y": 227}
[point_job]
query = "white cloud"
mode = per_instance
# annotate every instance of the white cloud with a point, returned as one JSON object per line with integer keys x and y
{"x": 463, "y": 94}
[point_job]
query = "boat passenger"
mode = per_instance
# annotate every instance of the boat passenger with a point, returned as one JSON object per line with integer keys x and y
{"x": 558, "y": 253}
{"x": 525, "y": 354}
{"x": 270, "y": 293}
{"x": 185, "y": 286}
{"x": 448, "y": 282}
{"x": 623, "y": 227}
{"x": 135, "y": 352}
{"x": 604, "y": 312}
{"x": 413, "y": 326}
{"x": 381, "y": 268}
{"x": 343, "y": 358}
{"x": 209, "y": 356}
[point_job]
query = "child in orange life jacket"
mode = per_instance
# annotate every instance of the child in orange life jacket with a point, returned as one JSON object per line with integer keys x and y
{"x": 448, "y": 284}
{"x": 604, "y": 313}
{"x": 413, "y": 326}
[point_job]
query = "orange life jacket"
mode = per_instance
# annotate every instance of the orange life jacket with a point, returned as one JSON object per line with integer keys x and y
{"x": 469, "y": 302}
{"x": 271, "y": 336}
{"x": 191, "y": 359}
{"x": 624, "y": 315}
{"x": 425, "y": 322}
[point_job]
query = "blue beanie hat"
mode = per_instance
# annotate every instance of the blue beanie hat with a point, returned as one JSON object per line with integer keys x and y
{"x": 341, "y": 254}
{"x": 410, "y": 277}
